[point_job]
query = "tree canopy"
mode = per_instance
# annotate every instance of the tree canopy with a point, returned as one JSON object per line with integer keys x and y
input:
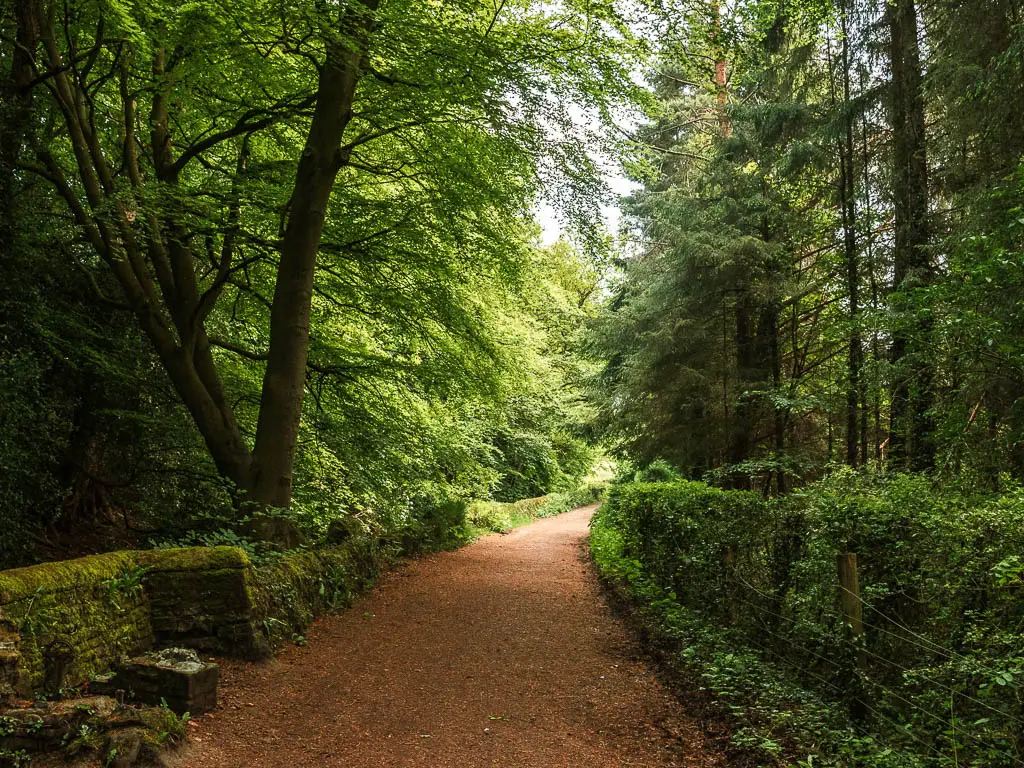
{"x": 823, "y": 250}
{"x": 264, "y": 256}
{"x": 287, "y": 248}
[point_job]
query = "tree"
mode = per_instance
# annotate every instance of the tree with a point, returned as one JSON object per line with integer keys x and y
{"x": 180, "y": 124}
{"x": 912, "y": 397}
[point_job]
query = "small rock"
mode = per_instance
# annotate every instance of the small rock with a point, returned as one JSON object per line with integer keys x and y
{"x": 123, "y": 747}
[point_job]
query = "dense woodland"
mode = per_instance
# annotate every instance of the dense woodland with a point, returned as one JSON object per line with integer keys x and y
{"x": 817, "y": 307}
{"x": 823, "y": 263}
{"x": 270, "y": 267}
{"x": 261, "y": 258}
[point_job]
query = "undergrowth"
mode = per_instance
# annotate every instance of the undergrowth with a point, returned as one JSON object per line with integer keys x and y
{"x": 746, "y": 591}
{"x": 485, "y": 517}
{"x": 773, "y": 719}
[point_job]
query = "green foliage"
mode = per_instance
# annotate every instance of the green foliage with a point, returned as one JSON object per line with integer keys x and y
{"x": 163, "y": 728}
{"x": 381, "y": 450}
{"x": 296, "y": 588}
{"x": 502, "y": 517}
{"x": 437, "y": 525}
{"x": 559, "y": 503}
{"x": 220, "y": 537}
{"x": 532, "y": 465}
{"x": 763, "y": 320}
{"x": 127, "y": 585}
{"x": 658, "y": 471}
{"x": 441, "y": 360}
{"x": 937, "y": 569}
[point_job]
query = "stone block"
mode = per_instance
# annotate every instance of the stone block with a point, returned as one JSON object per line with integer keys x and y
{"x": 175, "y": 676}
{"x": 201, "y": 599}
{"x": 10, "y": 660}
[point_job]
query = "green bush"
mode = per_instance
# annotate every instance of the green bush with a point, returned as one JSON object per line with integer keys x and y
{"x": 491, "y": 516}
{"x": 940, "y": 574}
{"x": 436, "y": 525}
{"x": 559, "y": 503}
{"x": 502, "y": 517}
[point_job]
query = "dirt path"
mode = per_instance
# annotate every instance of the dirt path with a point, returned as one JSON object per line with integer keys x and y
{"x": 500, "y": 654}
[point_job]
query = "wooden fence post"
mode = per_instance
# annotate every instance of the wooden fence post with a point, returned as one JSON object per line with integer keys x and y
{"x": 853, "y": 624}
{"x": 849, "y": 594}
{"x": 731, "y": 585}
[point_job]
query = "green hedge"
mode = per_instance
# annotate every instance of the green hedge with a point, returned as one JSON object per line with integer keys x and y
{"x": 557, "y": 503}
{"x": 750, "y": 590}
{"x": 499, "y": 517}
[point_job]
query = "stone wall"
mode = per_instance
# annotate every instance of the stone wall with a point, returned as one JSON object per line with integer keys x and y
{"x": 201, "y": 598}
{"x": 62, "y": 623}
{"x": 303, "y": 585}
{"x": 66, "y": 620}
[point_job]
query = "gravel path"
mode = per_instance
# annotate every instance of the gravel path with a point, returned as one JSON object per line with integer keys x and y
{"x": 502, "y": 653}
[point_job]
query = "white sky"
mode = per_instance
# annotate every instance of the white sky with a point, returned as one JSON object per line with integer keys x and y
{"x": 545, "y": 214}
{"x": 552, "y": 229}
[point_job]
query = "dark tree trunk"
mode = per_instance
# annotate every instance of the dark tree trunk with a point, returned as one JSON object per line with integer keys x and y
{"x": 322, "y": 158}
{"x": 910, "y": 419}
{"x": 849, "y": 217}
{"x": 743, "y": 412}
{"x": 876, "y": 404}
{"x": 781, "y": 481}
{"x": 15, "y": 107}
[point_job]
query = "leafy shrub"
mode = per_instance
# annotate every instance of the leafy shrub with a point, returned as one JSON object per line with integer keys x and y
{"x": 940, "y": 574}
{"x": 529, "y": 465}
{"x": 773, "y": 715}
{"x": 559, "y": 503}
{"x": 501, "y": 517}
{"x": 658, "y": 471}
{"x": 436, "y": 525}
{"x": 490, "y": 516}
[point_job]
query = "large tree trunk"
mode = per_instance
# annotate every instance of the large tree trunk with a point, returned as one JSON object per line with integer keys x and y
{"x": 771, "y": 363}
{"x": 849, "y": 216}
{"x": 322, "y": 158}
{"x": 15, "y": 106}
{"x": 910, "y": 420}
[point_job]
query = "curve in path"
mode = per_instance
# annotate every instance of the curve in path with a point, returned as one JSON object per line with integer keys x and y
{"x": 502, "y": 653}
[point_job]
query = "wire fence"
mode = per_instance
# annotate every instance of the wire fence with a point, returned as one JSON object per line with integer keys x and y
{"x": 858, "y": 674}
{"x": 920, "y": 644}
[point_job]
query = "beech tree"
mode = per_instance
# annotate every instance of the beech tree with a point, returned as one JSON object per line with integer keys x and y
{"x": 198, "y": 149}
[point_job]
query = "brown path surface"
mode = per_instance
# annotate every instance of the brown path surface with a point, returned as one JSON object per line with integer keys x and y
{"x": 500, "y": 654}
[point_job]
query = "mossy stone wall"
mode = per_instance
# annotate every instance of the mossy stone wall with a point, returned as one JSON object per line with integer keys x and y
{"x": 201, "y": 597}
{"x": 63, "y": 622}
{"x": 72, "y": 619}
{"x": 303, "y": 585}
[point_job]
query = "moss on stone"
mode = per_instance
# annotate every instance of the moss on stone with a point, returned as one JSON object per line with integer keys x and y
{"x": 290, "y": 593}
{"x": 69, "y": 635}
{"x": 193, "y": 559}
{"x": 23, "y": 583}
{"x": 77, "y": 617}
